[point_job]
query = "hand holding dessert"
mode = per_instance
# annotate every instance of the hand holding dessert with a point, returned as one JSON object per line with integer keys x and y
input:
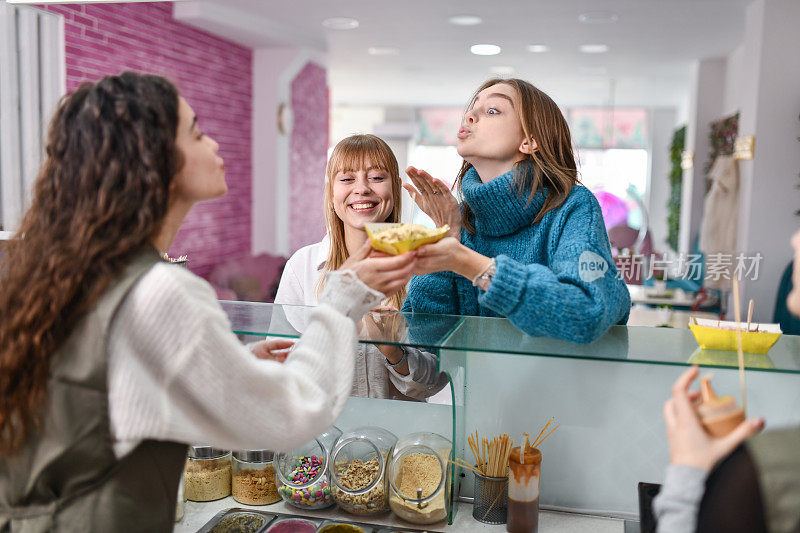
{"x": 689, "y": 443}
{"x": 398, "y": 238}
{"x": 384, "y": 273}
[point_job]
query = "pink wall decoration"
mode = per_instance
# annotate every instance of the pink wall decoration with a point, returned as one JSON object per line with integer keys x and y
{"x": 439, "y": 125}
{"x": 215, "y": 77}
{"x": 308, "y": 151}
{"x": 608, "y": 128}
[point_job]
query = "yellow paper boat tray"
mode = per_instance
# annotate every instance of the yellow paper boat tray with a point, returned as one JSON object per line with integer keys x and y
{"x": 721, "y": 335}
{"x": 389, "y": 245}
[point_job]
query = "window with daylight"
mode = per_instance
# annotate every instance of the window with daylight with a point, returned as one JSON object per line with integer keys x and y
{"x": 32, "y": 79}
{"x": 613, "y": 160}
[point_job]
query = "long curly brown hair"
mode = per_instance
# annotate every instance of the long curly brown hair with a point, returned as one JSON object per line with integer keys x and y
{"x": 99, "y": 199}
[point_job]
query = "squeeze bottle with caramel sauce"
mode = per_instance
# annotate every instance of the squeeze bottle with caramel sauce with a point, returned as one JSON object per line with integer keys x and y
{"x": 719, "y": 415}
{"x": 524, "y": 470}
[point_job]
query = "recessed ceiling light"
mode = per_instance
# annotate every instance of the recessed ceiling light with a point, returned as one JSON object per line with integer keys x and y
{"x": 383, "y": 51}
{"x": 594, "y": 48}
{"x": 340, "y": 23}
{"x": 598, "y": 17}
{"x": 485, "y": 49}
{"x": 465, "y": 20}
{"x": 538, "y": 48}
{"x": 502, "y": 70}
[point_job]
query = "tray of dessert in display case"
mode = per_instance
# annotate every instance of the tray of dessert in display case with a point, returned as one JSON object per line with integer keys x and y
{"x": 240, "y": 520}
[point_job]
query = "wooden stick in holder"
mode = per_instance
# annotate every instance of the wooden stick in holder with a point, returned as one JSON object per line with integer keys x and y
{"x": 539, "y": 443}
{"x": 540, "y": 433}
{"x": 464, "y": 464}
{"x": 740, "y": 351}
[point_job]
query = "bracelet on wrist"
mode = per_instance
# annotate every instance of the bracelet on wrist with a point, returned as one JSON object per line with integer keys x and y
{"x": 484, "y": 279}
{"x": 400, "y": 362}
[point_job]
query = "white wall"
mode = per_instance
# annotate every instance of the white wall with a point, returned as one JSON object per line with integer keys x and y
{"x": 682, "y": 116}
{"x": 662, "y": 124}
{"x": 770, "y": 104}
{"x": 734, "y": 72}
{"x": 350, "y": 120}
{"x": 708, "y": 78}
{"x": 268, "y": 63}
{"x": 273, "y": 71}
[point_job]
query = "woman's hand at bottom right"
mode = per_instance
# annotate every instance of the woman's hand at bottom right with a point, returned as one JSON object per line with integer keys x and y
{"x": 689, "y": 444}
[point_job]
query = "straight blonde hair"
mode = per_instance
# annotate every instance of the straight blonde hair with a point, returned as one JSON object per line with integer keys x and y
{"x": 551, "y": 167}
{"x": 352, "y": 153}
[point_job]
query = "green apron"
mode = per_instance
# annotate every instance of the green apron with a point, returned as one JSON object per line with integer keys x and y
{"x": 776, "y": 455}
{"x": 66, "y": 477}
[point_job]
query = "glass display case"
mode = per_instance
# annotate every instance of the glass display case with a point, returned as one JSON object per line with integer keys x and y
{"x": 607, "y": 395}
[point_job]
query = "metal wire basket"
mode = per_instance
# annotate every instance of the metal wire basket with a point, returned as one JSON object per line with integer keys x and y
{"x": 491, "y": 499}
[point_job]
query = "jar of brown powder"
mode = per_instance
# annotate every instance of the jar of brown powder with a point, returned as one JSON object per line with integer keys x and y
{"x": 419, "y": 478}
{"x": 253, "y": 481}
{"x": 208, "y": 474}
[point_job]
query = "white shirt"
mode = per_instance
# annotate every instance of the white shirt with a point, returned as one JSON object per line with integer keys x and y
{"x": 373, "y": 377}
{"x": 177, "y": 372}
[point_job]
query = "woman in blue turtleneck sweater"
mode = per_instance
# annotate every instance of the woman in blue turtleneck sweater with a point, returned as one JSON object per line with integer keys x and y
{"x": 528, "y": 242}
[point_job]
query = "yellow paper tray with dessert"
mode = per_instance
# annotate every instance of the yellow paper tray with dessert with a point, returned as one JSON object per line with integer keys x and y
{"x": 721, "y": 335}
{"x": 396, "y": 238}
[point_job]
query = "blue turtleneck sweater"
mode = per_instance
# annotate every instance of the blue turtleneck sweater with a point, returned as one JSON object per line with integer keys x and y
{"x": 555, "y": 278}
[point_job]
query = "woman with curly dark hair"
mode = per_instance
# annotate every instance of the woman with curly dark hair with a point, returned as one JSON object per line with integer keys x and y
{"x": 111, "y": 358}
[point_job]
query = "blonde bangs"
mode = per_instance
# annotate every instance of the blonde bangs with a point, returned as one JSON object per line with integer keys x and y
{"x": 353, "y": 152}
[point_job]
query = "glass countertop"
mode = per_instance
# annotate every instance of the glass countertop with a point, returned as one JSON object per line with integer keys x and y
{"x": 385, "y": 327}
{"x": 442, "y": 333}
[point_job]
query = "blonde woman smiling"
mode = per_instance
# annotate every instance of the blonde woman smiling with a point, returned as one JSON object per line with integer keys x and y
{"x": 362, "y": 185}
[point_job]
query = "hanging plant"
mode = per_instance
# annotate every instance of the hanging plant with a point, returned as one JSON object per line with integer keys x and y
{"x": 675, "y": 183}
{"x": 721, "y": 138}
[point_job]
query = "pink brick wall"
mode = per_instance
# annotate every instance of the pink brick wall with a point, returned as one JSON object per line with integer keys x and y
{"x": 308, "y": 155}
{"x": 215, "y": 77}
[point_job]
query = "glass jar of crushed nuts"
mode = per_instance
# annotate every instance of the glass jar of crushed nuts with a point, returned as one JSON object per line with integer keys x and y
{"x": 253, "y": 480}
{"x": 359, "y": 462}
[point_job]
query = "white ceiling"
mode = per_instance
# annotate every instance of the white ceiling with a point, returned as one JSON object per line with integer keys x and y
{"x": 651, "y": 46}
